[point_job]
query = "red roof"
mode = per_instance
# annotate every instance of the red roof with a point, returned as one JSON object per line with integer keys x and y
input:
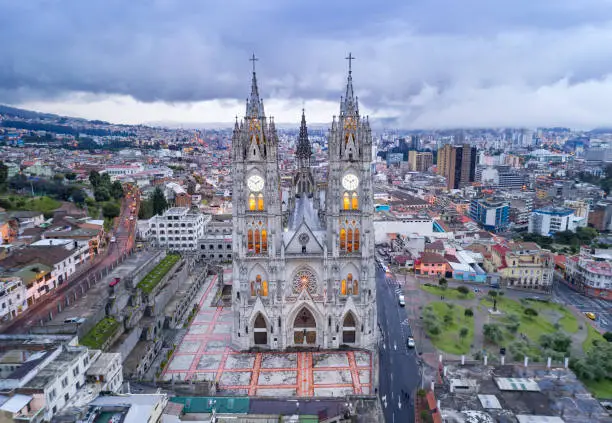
{"x": 432, "y": 258}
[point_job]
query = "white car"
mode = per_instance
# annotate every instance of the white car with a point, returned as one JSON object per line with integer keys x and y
{"x": 410, "y": 342}
{"x": 113, "y": 239}
{"x": 402, "y": 301}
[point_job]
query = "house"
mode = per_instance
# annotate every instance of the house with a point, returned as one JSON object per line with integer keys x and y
{"x": 430, "y": 264}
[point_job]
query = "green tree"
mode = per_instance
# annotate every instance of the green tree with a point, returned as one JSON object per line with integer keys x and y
{"x": 463, "y": 290}
{"x": 145, "y": 211}
{"x": 78, "y": 196}
{"x": 71, "y": 176}
{"x": 110, "y": 210}
{"x": 116, "y": 190}
{"x": 463, "y": 333}
{"x": 3, "y": 173}
{"x": 94, "y": 178}
{"x": 468, "y": 312}
{"x": 102, "y": 194}
{"x": 557, "y": 341}
{"x": 492, "y": 293}
{"x": 530, "y": 312}
{"x": 608, "y": 336}
{"x": 492, "y": 333}
{"x": 159, "y": 201}
{"x": 443, "y": 283}
{"x": 59, "y": 177}
{"x": 448, "y": 319}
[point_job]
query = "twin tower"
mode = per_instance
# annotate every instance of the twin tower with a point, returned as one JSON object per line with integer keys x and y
{"x": 303, "y": 274}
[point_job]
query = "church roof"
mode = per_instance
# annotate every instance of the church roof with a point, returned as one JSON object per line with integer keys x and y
{"x": 254, "y": 107}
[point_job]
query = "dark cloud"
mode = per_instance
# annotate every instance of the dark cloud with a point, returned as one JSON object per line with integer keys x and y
{"x": 191, "y": 50}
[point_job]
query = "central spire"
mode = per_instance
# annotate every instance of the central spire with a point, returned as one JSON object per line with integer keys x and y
{"x": 254, "y": 107}
{"x": 349, "y": 104}
{"x": 303, "y": 150}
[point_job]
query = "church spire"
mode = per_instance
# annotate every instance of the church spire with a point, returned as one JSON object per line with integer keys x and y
{"x": 349, "y": 104}
{"x": 303, "y": 150}
{"x": 254, "y": 108}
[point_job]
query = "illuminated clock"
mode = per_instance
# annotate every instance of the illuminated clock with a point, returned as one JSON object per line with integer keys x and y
{"x": 255, "y": 183}
{"x": 350, "y": 182}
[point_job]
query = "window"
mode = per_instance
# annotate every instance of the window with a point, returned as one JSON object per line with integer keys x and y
{"x": 346, "y": 202}
{"x": 260, "y": 202}
{"x": 355, "y": 202}
{"x": 343, "y": 287}
{"x": 342, "y": 239}
{"x": 264, "y": 288}
{"x": 64, "y": 382}
{"x": 252, "y": 202}
{"x": 75, "y": 371}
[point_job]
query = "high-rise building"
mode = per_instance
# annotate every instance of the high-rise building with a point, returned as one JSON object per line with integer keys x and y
{"x": 492, "y": 214}
{"x": 305, "y": 277}
{"x": 457, "y": 164}
{"x": 420, "y": 161}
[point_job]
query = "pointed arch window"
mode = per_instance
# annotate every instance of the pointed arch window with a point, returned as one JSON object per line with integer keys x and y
{"x": 342, "y": 239}
{"x": 349, "y": 240}
{"x": 355, "y": 201}
{"x": 355, "y": 287}
{"x": 346, "y": 201}
{"x": 252, "y": 202}
{"x": 258, "y": 284}
{"x": 260, "y": 201}
{"x": 343, "y": 287}
{"x": 349, "y": 280}
{"x": 264, "y": 289}
{"x": 257, "y": 242}
{"x": 264, "y": 241}
{"x": 250, "y": 240}
{"x": 356, "y": 240}
{"x": 252, "y": 288}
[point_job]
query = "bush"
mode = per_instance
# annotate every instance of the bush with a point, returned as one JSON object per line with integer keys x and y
{"x": 608, "y": 336}
{"x": 492, "y": 333}
{"x": 468, "y": 312}
{"x": 463, "y": 290}
{"x": 530, "y": 312}
{"x": 558, "y": 342}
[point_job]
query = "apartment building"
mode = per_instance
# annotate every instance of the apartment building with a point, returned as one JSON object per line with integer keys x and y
{"x": 492, "y": 214}
{"x": 590, "y": 272}
{"x": 549, "y": 220}
{"x": 420, "y": 161}
{"x": 13, "y": 298}
{"x": 522, "y": 265}
{"x": 179, "y": 228}
{"x": 457, "y": 164}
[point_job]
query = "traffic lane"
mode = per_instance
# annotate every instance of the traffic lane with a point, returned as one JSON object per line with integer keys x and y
{"x": 601, "y": 308}
{"x": 398, "y": 368}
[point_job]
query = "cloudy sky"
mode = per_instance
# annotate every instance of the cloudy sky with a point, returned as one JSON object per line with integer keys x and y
{"x": 423, "y": 63}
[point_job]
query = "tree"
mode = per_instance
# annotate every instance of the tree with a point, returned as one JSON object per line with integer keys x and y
{"x": 59, "y": 177}
{"x": 468, "y": 312}
{"x": 558, "y": 341}
{"x": 463, "y": 290}
{"x": 3, "y": 173}
{"x": 159, "y": 201}
{"x": 443, "y": 283}
{"x": 102, "y": 194}
{"x": 116, "y": 190}
{"x": 448, "y": 319}
{"x": 492, "y": 333}
{"x": 463, "y": 333}
{"x": 78, "y": 196}
{"x": 608, "y": 336}
{"x": 94, "y": 178}
{"x": 530, "y": 312}
{"x": 145, "y": 211}
{"x": 71, "y": 176}
{"x": 492, "y": 293}
{"x": 110, "y": 210}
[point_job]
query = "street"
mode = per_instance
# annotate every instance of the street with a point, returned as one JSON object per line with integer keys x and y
{"x": 398, "y": 371}
{"x": 86, "y": 273}
{"x": 601, "y": 308}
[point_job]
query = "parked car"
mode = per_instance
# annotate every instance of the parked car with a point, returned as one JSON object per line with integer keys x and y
{"x": 114, "y": 282}
{"x": 590, "y": 315}
{"x": 77, "y": 320}
{"x": 410, "y": 342}
{"x": 113, "y": 239}
{"x": 402, "y": 301}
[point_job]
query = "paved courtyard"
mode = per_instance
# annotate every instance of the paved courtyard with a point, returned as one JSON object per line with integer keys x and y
{"x": 205, "y": 354}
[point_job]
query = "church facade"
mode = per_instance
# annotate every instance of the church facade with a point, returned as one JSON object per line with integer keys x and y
{"x": 303, "y": 272}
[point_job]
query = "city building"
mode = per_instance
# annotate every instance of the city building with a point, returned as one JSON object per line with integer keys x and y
{"x": 549, "y": 220}
{"x": 590, "y": 272}
{"x": 420, "y": 161}
{"x": 179, "y": 228}
{"x": 522, "y": 265}
{"x": 457, "y": 164}
{"x": 303, "y": 271}
{"x": 493, "y": 214}
{"x": 13, "y": 298}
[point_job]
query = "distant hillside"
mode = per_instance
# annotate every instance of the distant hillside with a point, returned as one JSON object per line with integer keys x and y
{"x": 24, "y": 114}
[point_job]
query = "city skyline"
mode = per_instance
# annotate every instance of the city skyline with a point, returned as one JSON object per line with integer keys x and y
{"x": 508, "y": 64}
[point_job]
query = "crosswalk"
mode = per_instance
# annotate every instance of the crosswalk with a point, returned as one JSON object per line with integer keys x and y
{"x": 398, "y": 290}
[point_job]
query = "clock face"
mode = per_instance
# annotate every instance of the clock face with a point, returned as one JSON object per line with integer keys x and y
{"x": 255, "y": 183}
{"x": 350, "y": 182}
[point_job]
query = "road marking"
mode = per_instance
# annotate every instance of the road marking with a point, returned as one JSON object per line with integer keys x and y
{"x": 406, "y": 322}
{"x": 395, "y": 345}
{"x": 384, "y": 400}
{"x": 399, "y": 403}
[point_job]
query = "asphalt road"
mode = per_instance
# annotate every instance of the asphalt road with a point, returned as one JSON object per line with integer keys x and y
{"x": 93, "y": 271}
{"x": 398, "y": 370}
{"x": 601, "y": 308}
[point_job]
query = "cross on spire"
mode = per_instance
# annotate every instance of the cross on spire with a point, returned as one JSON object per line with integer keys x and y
{"x": 254, "y": 59}
{"x": 350, "y": 59}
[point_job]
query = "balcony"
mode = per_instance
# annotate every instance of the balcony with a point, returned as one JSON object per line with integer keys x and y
{"x": 33, "y": 416}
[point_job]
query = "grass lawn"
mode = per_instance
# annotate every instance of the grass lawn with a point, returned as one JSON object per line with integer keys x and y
{"x": 592, "y": 335}
{"x": 448, "y": 340}
{"x": 40, "y": 204}
{"x": 449, "y": 293}
{"x": 602, "y": 389}
{"x": 100, "y": 333}
{"x": 152, "y": 279}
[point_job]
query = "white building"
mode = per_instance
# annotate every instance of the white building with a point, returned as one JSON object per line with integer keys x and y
{"x": 179, "y": 228}
{"x": 121, "y": 170}
{"x": 549, "y": 220}
{"x": 106, "y": 371}
{"x": 13, "y": 298}
{"x": 386, "y": 229}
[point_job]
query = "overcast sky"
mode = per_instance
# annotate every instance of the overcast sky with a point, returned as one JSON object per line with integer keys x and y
{"x": 425, "y": 63}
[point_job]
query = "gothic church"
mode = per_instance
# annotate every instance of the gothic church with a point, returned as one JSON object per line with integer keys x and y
{"x": 303, "y": 270}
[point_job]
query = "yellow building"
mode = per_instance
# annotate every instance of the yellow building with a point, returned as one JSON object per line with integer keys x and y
{"x": 522, "y": 265}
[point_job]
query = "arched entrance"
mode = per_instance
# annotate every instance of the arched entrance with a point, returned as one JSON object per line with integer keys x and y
{"x": 260, "y": 330}
{"x": 348, "y": 329}
{"x": 304, "y": 328}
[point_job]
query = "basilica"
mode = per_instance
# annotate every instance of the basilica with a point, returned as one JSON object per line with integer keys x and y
{"x": 303, "y": 264}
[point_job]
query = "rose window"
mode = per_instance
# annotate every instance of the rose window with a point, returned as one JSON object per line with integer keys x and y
{"x": 305, "y": 280}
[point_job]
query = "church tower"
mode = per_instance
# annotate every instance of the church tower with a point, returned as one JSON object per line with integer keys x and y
{"x": 256, "y": 215}
{"x": 309, "y": 283}
{"x": 304, "y": 182}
